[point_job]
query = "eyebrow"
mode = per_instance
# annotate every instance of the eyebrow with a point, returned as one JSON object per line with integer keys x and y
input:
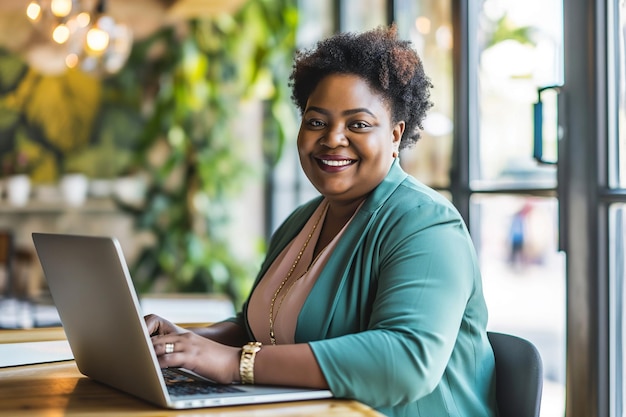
{"x": 344, "y": 113}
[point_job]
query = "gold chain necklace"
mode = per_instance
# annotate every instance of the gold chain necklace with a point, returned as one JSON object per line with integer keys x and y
{"x": 282, "y": 284}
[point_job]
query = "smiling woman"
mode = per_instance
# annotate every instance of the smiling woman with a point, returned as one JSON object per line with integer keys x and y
{"x": 357, "y": 293}
{"x": 347, "y": 140}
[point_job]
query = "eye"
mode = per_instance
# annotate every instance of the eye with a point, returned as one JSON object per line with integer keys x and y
{"x": 360, "y": 125}
{"x": 315, "y": 123}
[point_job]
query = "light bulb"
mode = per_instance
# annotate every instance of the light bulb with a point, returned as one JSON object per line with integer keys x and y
{"x": 71, "y": 60}
{"x": 33, "y": 11}
{"x": 61, "y": 34}
{"x": 97, "y": 40}
{"x": 83, "y": 19}
{"x": 423, "y": 24}
{"x": 61, "y": 8}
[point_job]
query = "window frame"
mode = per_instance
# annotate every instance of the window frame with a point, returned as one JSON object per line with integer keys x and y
{"x": 583, "y": 181}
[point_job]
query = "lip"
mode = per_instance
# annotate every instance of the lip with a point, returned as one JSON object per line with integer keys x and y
{"x": 334, "y": 163}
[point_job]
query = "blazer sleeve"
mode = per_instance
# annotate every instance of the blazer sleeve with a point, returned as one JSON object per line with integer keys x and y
{"x": 424, "y": 266}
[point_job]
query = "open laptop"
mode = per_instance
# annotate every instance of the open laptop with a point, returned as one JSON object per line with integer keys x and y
{"x": 94, "y": 294}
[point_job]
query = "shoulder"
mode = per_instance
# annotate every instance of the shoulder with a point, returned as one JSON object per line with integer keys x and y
{"x": 400, "y": 194}
{"x": 412, "y": 202}
{"x": 417, "y": 219}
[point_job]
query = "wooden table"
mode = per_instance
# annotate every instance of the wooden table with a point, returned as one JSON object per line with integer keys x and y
{"x": 59, "y": 389}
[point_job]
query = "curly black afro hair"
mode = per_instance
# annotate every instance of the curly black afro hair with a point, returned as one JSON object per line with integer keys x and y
{"x": 389, "y": 65}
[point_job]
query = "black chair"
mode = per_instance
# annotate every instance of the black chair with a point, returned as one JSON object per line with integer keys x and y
{"x": 519, "y": 375}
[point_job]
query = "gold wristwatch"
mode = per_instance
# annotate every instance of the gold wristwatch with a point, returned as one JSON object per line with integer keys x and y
{"x": 246, "y": 364}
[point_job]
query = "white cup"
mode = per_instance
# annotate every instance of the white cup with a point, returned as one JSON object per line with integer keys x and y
{"x": 74, "y": 189}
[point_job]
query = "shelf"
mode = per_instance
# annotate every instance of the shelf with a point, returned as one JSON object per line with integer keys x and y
{"x": 42, "y": 207}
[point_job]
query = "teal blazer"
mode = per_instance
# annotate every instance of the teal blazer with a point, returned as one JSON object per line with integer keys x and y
{"x": 397, "y": 316}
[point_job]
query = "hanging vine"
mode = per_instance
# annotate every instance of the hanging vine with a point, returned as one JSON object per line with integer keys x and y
{"x": 190, "y": 146}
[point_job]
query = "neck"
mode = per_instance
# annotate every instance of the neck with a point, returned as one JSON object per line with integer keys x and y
{"x": 337, "y": 215}
{"x": 341, "y": 211}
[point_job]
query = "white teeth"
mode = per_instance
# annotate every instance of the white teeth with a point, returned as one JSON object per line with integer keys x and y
{"x": 334, "y": 163}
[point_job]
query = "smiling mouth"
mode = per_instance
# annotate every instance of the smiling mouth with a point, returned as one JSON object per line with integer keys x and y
{"x": 337, "y": 163}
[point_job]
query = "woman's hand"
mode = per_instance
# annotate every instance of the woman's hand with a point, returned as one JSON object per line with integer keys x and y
{"x": 159, "y": 326}
{"x": 188, "y": 350}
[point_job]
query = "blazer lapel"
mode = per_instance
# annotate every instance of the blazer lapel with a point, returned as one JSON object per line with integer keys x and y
{"x": 326, "y": 293}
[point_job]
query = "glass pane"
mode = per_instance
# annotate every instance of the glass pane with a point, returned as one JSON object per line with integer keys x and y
{"x": 360, "y": 15}
{"x": 289, "y": 186}
{"x": 427, "y": 24}
{"x": 520, "y": 51}
{"x": 315, "y": 21}
{"x": 524, "y": 280}
{"x": 617, "y": 226}
{"x": 618, "y": 159}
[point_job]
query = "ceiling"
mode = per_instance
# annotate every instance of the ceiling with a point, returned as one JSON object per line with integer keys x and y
{"x": 143, "y": 17}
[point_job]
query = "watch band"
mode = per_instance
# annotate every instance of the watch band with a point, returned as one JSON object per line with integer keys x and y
{"x": 246, "y": 364}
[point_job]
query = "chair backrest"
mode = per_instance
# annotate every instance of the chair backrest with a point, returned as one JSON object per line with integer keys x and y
{"x": 519, "y": 375}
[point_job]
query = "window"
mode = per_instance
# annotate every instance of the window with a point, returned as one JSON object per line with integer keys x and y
{"x": 359, "y": 15}
{"x": 513, "y": 50}
{"x": 618, "y": 300}
{"x": 428, "y": 25}
{"x": 618, "y": 143}
{"x": 616, "y": 178}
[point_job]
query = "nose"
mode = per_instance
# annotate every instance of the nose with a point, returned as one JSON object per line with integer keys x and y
{"x": 335, "y": 136}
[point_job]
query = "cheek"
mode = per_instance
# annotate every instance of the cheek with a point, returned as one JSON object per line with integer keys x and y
{"x": 375, "y": 148}
{"x": 304, "y": 139}
{"x": 301, "y": 143}
{"x": 305, "y": 146}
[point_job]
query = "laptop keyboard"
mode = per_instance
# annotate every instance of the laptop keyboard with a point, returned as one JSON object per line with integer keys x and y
{"x": 180, "y": 383}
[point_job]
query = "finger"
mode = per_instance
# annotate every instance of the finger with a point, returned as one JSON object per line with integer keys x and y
{"x": 159, "y": 345}
{"x": 169, "y": 348}
{"x": 169, "y": 352}
{"x": 166, "y": 345}
{"x": 152, "y": 323}
{"x": 171, "y": 360}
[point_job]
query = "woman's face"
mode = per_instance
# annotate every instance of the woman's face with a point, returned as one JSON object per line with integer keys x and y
{"x": 347, "y": 141}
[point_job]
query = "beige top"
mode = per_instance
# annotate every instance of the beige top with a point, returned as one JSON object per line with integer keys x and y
{"x": 291, "y": 297}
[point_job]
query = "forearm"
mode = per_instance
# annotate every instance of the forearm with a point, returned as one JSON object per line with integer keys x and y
{"x": 290, "y": 365}
{"x": 227, "y": 333}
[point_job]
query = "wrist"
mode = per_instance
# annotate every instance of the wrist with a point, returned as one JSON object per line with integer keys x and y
{"x": 246, "y": 362}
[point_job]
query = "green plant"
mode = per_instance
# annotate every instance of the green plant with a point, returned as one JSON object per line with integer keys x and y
{"x": 16, "y": 162}
{"x": 190, "y": 148}
{"x": 37, "y": 111}
{"x": 504, "y": 29}
{"x": 172, "y": 115}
